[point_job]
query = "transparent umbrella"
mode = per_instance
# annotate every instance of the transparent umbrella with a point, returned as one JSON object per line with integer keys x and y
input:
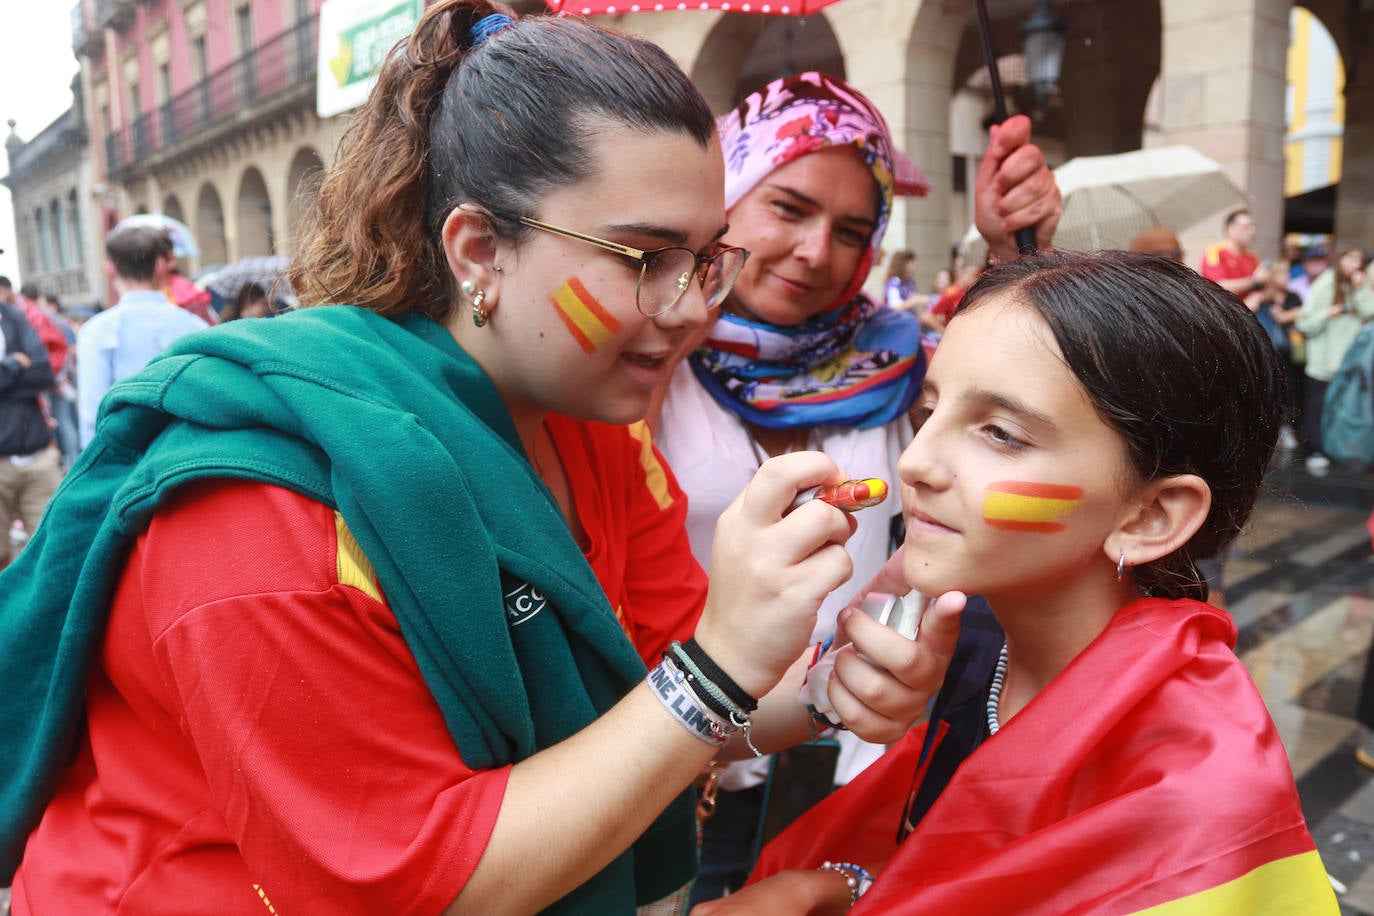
{"x": 1108, "y": 200}
{"x": 183, "y": 242}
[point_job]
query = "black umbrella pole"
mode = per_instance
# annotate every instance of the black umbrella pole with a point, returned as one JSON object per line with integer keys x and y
{"x": 1025, "y": 238}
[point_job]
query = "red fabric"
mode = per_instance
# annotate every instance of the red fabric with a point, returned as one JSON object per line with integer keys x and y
{"x": 946, "y": 301}
{"x": 191, "y": 297}
{"x": 1219, "y": 263}
{"x": 1147, "y": 771}
{"x": 638, "y": 549}
{"x": 255, "y": 724}
{"x": 54, "y": 341}
{"x": 260, "y": 733}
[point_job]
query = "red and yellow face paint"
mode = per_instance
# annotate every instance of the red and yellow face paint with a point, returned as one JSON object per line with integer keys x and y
{"x": 586, "y": 319}
{"x": 1015, "y": 505}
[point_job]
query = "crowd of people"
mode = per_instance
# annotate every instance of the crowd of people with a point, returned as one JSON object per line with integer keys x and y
{"x": 66, "y": 362}
{"x": 548, "y": 585}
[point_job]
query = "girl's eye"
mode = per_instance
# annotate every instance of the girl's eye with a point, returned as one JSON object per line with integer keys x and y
{"x": 787, "y": 209}
{"x": 920, "y": 413}
{"x": 1003, "y": 438}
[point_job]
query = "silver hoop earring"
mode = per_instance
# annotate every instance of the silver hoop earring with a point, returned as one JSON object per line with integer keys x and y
{"x": 1121, "y": 567}
{"x": 479, "y": 314}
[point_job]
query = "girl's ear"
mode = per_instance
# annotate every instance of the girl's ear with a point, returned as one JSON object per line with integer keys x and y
{"x": 470, "y": 249}
{"x": 1165, "y": 515}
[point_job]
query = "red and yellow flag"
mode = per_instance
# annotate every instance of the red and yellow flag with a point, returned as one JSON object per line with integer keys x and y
{"x": 586, "y": 319}
{"x": 1017, "y": 505}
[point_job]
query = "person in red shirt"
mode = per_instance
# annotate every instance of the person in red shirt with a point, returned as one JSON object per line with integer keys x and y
{"x": 1230, "y": 262}
{"x": 326, "y": 681}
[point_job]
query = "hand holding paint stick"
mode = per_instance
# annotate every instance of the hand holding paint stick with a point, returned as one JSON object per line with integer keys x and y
{"x": 849, "y": 496}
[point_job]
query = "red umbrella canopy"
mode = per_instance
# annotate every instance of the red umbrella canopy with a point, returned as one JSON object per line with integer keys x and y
{"x": 774, "y": 7}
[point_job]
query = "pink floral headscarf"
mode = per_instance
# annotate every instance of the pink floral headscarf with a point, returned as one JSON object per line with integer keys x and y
{"x": 801, "y": 114}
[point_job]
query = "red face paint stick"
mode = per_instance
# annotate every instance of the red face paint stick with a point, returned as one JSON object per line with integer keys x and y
{"x": 849, "y": 496}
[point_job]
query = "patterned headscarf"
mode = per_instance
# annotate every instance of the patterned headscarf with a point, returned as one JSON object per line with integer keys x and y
{"x": 801, "y": 114}
{"x": 854, "y": 364}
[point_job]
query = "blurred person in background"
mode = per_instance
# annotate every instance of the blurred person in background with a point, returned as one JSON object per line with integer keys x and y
{"x": 120, "y": 341}
{"x": 1230, "y": 262}
{"x": 30, "y": 468}
{"x": 1339, "y": 302}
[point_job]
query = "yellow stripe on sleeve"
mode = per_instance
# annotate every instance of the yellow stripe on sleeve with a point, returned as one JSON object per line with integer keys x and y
{"x": 1295, "y": 886}
{"x": 353, "y": 567}
{"x": 654, "y": 475}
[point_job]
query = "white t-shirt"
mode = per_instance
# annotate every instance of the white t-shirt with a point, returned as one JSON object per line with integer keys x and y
{"x": 713, "y": 457}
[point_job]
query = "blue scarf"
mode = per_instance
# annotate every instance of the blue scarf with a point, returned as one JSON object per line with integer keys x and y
{"x": 860, "y": 365}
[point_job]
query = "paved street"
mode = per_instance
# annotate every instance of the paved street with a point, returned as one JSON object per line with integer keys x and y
{"x": 1301, "y": 587}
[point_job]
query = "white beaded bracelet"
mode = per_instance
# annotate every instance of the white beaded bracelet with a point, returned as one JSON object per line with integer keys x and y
{"x": 856, "y": 876}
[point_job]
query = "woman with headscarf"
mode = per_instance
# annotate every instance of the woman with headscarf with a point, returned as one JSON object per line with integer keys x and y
{"x": 800, "y": 357}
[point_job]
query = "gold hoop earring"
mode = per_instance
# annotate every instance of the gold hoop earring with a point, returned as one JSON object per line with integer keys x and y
{"x": 478, "y": 296}
{"x": 479, "y": 314}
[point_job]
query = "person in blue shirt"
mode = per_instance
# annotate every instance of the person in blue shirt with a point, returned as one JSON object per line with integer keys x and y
{"x": 121, "y": 340}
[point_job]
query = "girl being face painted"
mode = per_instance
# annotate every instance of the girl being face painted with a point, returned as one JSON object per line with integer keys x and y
{"x": 1013, "y": 481}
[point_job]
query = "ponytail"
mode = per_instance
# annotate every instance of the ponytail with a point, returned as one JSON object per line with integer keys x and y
{"x": 362, "y": 241}
{"x": 475, "y": 107}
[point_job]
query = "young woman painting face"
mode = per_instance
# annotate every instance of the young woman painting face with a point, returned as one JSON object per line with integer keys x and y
{"x": 1013, "y": 483}
{"x": 566, "y": 331}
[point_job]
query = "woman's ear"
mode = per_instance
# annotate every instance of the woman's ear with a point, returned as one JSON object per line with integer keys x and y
{"x": 470, "y": 249}
{"x": 1165, "y": 515}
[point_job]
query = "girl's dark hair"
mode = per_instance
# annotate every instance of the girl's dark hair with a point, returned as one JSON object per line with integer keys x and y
{"x": 498, "y": 123}
{"x": 1175, "y": 364}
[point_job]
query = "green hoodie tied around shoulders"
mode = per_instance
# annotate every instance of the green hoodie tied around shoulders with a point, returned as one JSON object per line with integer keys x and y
{"x": 393, "y": 425}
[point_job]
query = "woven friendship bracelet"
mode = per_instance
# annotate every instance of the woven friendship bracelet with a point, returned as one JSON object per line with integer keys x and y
{"x": 713, "y": 672}
{"x": 711, "y": 695}
{"x": 669, "y": 685}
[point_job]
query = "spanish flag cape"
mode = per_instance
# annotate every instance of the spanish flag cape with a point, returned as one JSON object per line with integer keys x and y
{"x": 1147, "y": 777}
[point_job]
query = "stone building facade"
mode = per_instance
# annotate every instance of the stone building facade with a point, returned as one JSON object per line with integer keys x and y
{"x": 204, "y": 109}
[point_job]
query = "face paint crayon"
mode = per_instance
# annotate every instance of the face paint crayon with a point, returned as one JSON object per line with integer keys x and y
{"x": 586, "y": 319}
{"x": 849, "y": 496}
{"x": 1014, "y": 505}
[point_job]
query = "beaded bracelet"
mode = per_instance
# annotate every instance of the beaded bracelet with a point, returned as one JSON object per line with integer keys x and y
{"x": 856, "y": 876}
{"x": 668, "y": 684}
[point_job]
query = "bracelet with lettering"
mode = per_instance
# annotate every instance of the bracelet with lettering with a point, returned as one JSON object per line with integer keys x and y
{"x": 669, "y": 685}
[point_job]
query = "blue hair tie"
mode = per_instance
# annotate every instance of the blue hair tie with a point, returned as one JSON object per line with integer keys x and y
{"x": 488, "y": 26}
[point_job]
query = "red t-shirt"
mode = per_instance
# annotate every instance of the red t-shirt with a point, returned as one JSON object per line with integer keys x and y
{"x": 1219, "y": 263}
{"x": 259, "y": 736}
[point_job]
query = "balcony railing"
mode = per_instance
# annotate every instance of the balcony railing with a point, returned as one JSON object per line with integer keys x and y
{"x": 275, "y": 67}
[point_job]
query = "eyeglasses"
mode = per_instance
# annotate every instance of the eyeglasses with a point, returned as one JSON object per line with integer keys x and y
{"x": 665, "y": 273}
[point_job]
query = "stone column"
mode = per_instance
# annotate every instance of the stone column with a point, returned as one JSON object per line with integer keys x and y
{"x": 1223, "y": 82}
{"x": 901, "y": 55}
{"x": 1355, "y": 197}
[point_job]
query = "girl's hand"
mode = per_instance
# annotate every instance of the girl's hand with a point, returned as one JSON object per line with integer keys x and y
{"x": 879, "y": 698}
{"x": 770, "y": 573}
{"x": 1015, "y": 189}
{"x": 797, "y": 893}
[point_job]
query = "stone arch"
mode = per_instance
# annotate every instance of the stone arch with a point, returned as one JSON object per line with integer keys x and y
{"x": 171, "y": 206}
{"x": 302, "y": 181}
{"x": 254, "y": 211}
{"x": 209, "y": 226}
{"x": 744, "y": 51}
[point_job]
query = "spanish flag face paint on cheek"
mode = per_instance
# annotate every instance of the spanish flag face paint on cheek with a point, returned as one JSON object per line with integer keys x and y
{"x": 586, "y": 319}
{"x": 1014, "y": 505}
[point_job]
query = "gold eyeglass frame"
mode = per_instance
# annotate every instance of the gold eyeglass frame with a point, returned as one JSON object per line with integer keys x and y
{"x": 703, "y": 262}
